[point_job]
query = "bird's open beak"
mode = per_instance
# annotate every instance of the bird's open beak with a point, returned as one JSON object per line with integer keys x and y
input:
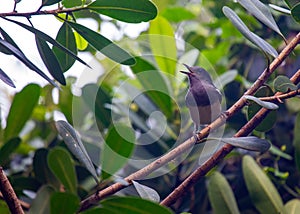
{"x": 189, "y": 68}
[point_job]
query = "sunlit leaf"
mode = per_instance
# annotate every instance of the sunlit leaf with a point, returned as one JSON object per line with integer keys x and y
{"x": 50, "y": 60}
{"x": 262, "y": 191}
{"x": 177, "y": 14}
{"x": 261, "y": 12}
{"x": 64, "y": 202}
{"x": 21, "y": 110}
{"x": 81, "y": 43}
{"x": 119, "y": 145}
{"x": 6, "y": 79}
{"x": 128, "y": 11}
{"x": 146, "y": 192}
{"x": 65, "y": 36}
{"x": 61, "y": 164}
{"x": 73, "y": 142}
{"x": 296, "y": 141}
{"x": 130, "y": 205}
{"x": 239, "y": 24}
{"x": 41, "y": 203}
{"x": 19, "y": 55}
{"x": 267, "y": 105}
{"x": 221, "y": 195}
{"x": 163, "y": 45}
{"x": 284, "y": 84}
{"x": 103, "y": 45}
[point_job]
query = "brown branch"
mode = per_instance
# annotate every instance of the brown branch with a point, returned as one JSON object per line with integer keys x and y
{"x": 24, "y": 204}
{"x": 95, "y": 198}
{"x": 9, "y": 195}
{"x": 227, "y": 148}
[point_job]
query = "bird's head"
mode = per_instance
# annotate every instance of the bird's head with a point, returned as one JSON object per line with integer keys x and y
{"x": 197, "y": 73}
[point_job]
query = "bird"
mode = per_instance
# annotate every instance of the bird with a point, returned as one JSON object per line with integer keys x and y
{"x": 203, "y": 98}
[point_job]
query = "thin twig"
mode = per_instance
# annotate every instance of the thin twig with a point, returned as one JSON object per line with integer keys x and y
{"x": 9, "y": 195}
{"x": 244, "y": 131}
{"x": 281, "y": 96}
{"x": 142, "y": 173}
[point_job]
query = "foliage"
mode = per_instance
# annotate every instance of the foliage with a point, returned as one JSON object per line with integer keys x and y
{"x": 134, "y": 113}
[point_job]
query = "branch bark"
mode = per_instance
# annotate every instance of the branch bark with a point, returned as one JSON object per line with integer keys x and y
{"x": 95, "y": 198}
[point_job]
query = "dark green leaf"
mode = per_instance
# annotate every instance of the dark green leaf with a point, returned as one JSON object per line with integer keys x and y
{"x": 21, "y": 109}
{"x": 292, "y": 206}
{"x": 296, "y": 12}
{"x": 177, "y": 14}
{"x": 291, "y": 3}
{"x": 73, "y": 142}
{"x": 261, "y": 12}
{"x": 154, "y": 84}
{"x": 96, "y": 97}
{"x": 65, "y": 36}
{"x": 296, "y": 141}
{"x": 41, "y": 203}
{"x": 146, "y": 192}
{"x": 61, "y": 164}
{"x": 239, "y": 24}
{"x": 50, "y": 60}
{"x": 119, "y": 145}
{"x": 132, "y": 205}
{"x": 19, "y": 55}
{"x": 128, "y": 11}
{"x": 41, "y": 169}
{"x": 100, "y": 210}
{"x": 71, "y": 3}
{"x": 47, "y": 38}
{"x": 267, "y": 105}
{"x": 7, "y": 149}
{"x": 221, "y": 195}
{"x": 270, "y": 119}
{"x": 249, "y": 143}
{"x": 262, "y": 191}
{"x": 6, "y": 79}
{"x": 29, "y": 183}
{"x": 103, "y": 45}
{"x": 63, "y": 202}
{"x": 284, "y": 84}
{"x": 49, "y": 2}
{"x": 163, "y": 44}
{"x": 7, "y": 38}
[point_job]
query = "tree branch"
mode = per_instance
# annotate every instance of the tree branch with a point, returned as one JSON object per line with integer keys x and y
{"x": 95, "y": 198}
{"x": 9, "y": 195}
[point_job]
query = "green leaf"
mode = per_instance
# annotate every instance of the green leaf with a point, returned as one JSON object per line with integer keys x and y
{"x": 221, "y": 195}
{"x": 41, "y": 203}
{"x": 270, "y": 119}
{"x": 65, "y": 36}
{"x": 61, "y": 164}
{"x": 154, "y": 84}
{"x": 73, "y": 142}
{"x": 127, "y": 11}
{"x": 177, "y": 14}
{"x": 63, "y": 202}
{"x": 119, "y": 145}
{"x": 50, "y": 60}
{"x": 21, "y": 109}
{"x": 81, "y": 43}
{"x": 239, "y": 24}
{"x": 104, "y": 45}
{"x": 296, "y": 141}
{"x": 7, "y": 38}
{"x": 250, "y": 143}
{"x": 262, "y": 191}
{"x": 296, "y": 12}
{"x": 292, "y": 206}
{"x": 132, "y": 205}
{"x": 20, "y": 56}
{"x": 49, "y": 39}
{"x": 4, "y": 209}
{"x": 40, "y": 168}
{"x": 226, "y": 78}
{"x": 146, "y": 192}
{"x": 261, "y": 12}
{"x": 8, "y": 148}
{"x": 6, "y": 79}
{"x": 49, "y": 2}
{"x": 284, "y": 84}
{"x": 71, "y": 3}
{"x": 267, "y": 105}
{"x": 163, "y": 45}
{"x": 275, "y": 151}
{"x": 291, "y": 3}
